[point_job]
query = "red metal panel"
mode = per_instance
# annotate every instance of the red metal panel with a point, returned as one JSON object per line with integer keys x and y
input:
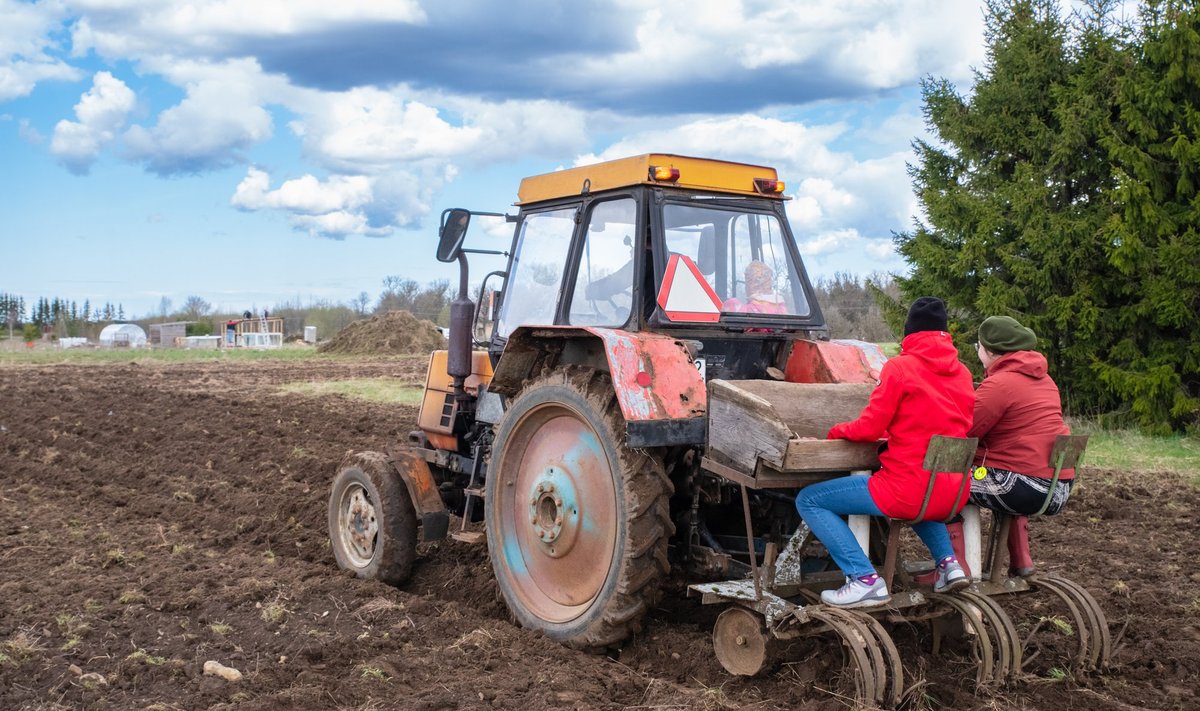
{"x": 842, "y": 361}
{"x": 676, "y": 390}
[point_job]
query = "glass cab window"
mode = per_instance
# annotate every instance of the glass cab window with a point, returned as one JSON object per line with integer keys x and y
{"x": 537, "y": 267}
{"x": 603, "y": 292}
{"x": 742, "y": 255}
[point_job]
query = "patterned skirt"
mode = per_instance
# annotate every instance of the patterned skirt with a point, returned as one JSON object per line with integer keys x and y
{"x": 1019, "y": 494}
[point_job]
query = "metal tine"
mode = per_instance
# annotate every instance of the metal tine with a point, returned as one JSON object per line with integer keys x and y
{"x": 986, "y": 674}
{"x": 864, "y": 673}
{"x": 1082, "y": 626}
{"x": 1101, "y": 651}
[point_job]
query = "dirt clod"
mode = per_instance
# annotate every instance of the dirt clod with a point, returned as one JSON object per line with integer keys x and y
{"x": 212, "y": 668}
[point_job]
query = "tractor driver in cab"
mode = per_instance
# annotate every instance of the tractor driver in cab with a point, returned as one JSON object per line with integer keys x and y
{"x": 761, "y": 297}
{"x": 618, "y": 282}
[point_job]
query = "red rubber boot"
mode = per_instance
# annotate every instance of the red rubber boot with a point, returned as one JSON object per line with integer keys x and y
{"x": 1020, "y": 562}
{"x": 960, "y": 548}
{"x": 960, "y": 552}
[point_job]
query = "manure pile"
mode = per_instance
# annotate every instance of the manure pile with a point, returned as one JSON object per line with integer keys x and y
{"x": 392, "y": 333}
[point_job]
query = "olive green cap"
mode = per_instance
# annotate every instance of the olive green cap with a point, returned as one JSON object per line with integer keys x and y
{"x": 1003, "y": 334}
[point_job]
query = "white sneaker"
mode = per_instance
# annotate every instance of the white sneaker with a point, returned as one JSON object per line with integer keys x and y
{"x": 950, "y": 577}
{"x": 856, "y": 593}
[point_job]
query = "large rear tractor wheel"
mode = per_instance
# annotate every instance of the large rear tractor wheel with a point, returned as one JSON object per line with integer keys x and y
{"x": 577, "y": 523}
{"x": 372, "y": 523}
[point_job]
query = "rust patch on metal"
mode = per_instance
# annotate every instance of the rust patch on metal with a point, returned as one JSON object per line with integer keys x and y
{"x": 422, "y": 489}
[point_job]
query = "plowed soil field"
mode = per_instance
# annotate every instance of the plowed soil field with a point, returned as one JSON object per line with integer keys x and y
{"x": 156, "y": 516}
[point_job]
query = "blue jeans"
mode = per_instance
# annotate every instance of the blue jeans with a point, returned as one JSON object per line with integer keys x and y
{"x": 823, "y": 505}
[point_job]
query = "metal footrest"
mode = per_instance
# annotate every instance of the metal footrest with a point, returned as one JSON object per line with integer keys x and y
{"x": 469, "y": 536}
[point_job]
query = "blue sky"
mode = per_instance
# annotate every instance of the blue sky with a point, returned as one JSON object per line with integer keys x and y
{"x": 255, "y": 152}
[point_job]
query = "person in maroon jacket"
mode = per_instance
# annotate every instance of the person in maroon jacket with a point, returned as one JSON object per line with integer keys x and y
{"x": 922, "y": 392}
{"x": 1018, "y": 413}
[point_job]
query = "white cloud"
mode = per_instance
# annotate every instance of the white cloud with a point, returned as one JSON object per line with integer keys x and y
{"x": 28, "y": 133}
{"x": 880, "y": 43}
{"x": 834, "y": 242}
{"x": 344, "y": 205}
{"x": 337, "y": 225}
{"x": 816, "y": 200}
{"x": 846, "y": 250}
{"x": 516, "y": 130}
{"x": 119, "y": 28}
{"x": 101, "y": 111}
{"x": 221, "y": 116}
{"x": 24, "y": 41}
{"x": 371, "y": 129}
{"x": 333, "y": 208}
{"x": 304, "y": 195}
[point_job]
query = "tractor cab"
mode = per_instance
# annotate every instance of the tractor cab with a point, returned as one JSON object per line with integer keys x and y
{"x": 694, "y": 248}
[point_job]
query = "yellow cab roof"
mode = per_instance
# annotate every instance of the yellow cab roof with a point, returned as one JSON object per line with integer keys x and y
{"x": 694, "y": 173}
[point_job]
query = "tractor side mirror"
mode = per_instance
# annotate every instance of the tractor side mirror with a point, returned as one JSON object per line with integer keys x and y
{"x": 452, "y": 233}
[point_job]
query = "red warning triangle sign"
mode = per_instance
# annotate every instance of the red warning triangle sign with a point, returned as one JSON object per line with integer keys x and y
{"x": 685, "y": 295}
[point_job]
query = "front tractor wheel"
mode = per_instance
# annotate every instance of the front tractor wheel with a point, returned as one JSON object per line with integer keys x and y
{"x": 372, "y": 523}
{"x": 577, "y": 523}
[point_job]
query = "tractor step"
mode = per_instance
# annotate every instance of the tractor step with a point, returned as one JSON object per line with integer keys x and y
{"x": 472, "y": 537}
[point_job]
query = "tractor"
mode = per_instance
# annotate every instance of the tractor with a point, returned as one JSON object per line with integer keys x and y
{"x": 640, "y": 394}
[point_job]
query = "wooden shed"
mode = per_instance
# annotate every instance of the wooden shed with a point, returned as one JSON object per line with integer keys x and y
{"x": 164, "y": 335}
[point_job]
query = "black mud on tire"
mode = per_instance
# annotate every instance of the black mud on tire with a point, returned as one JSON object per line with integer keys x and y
{"x": 388, "y": 555}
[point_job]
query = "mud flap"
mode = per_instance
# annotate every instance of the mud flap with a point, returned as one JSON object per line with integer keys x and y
{"x": 422, "y": 489}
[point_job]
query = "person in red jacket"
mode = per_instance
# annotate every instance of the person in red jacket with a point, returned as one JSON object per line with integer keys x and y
{"x": 922, "y": 392}
{"x": 1018, "y": 413}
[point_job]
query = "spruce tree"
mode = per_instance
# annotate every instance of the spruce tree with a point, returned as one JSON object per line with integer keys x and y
{"x": 1014, "y": 188}
{"x": 1153, "y": 240}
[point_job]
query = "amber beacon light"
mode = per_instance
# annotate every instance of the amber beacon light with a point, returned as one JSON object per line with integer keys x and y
{"x": 768, "y": 185}
{"x": 664, "y": 173}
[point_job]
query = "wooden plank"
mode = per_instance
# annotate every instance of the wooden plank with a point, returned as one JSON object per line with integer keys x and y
{"x": 727, "y": 472}
{"x": 743, "y": 427}
{"x": 830, "y": 455}
{"x": 809, "y": 409}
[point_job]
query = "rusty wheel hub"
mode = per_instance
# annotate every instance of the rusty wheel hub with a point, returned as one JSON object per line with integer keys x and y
{"x": 358, "y": 525}
{"x": 554, "y": 512}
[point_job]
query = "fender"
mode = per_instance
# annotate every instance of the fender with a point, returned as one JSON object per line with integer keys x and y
{"x": 423, "y": 491}
{"x": 661, "y": 394}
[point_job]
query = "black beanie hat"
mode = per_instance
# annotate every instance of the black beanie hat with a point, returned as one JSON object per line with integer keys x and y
{"x": 927, "y": 313}
{"x": 1003, "y": 334}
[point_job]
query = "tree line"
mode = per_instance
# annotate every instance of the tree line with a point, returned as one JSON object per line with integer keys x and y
{"x": 63, "y": 316}
{"x": 1063, "y": 191}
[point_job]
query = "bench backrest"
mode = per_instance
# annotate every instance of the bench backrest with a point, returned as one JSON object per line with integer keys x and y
{"x": 947, "y": 454}
{"x": 1064, "y": 454}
